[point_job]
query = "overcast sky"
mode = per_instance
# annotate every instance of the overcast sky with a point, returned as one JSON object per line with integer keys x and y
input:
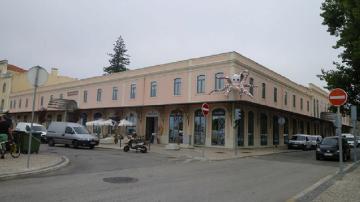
{"x": 75, "y": 36}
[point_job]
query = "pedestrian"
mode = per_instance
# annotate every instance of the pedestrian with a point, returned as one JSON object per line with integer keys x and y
{"x": 5, "y": 131}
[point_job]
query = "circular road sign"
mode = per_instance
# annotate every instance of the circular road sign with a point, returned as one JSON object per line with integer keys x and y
{"x": 337, "y": 97}
{"x": 205, "y": 109}
{"x": 37, "y": 76}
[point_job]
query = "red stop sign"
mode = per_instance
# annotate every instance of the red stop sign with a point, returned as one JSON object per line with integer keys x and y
{"x": 205, "y": 109}
{"x": 337, "y": 97}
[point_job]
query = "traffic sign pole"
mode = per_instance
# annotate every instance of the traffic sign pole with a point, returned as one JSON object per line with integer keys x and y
{"x": 338, "y": 133}
{"x": 353, "y": 118}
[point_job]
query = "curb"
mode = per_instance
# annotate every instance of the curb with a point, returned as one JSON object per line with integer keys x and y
{"x": 321, "y": 182}
{"x": 64, "y": 162}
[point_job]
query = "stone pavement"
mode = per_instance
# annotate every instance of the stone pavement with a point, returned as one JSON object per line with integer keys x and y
{"x": 205, "y": 153}
{"x": 345, "y": 188}
{"x": 39, "y": 163}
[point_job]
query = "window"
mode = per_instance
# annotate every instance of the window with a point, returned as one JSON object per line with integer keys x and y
{"x": 153, "y": 88}
{"x": 301, "y": 103}
{"x": 286, "y": 98}
{"x": 199, "y": 128}
{"x": 2, "y": 104}
{"x": 42, "y": 101}
{"x": 251, "y": 129}
{"x": 263, "y": 129}
{"x": 275, "y": 94}
{"x": 14, "y": 104}
{"x": 85, "y": 95}
{"x": 240, "y": 128}
{"x": 132, "y": 91}
{"x": 314, "y": 110}
{"x": 115, "y": 93}
{"x": 4, "y": 88}
{"x": 61, "y": 96}
{"x": 201, "y": 84}
{"x": 317, "y": 108}
{"x": 11, "y": 103}
{"x": 19, "y": 103}
{"x": 26, "y": 103}
{"x": 218, "y": 127}
{"x": 263, "y": 90}
{"x": 294, "y": 100}
{"x": 175, "y": 127}
{"x": 308, "y": 105}
{"x": 98, "y": 95}
{"x": 177, "y": 86}
{"x": 219, "y": 81}
{"x": 251, "y": 89}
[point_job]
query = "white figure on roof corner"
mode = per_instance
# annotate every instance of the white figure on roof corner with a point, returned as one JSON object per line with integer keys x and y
{"x": 237, "y": 83}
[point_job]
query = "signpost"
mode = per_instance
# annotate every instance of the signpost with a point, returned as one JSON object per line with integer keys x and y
{"x": 354, "y": 119}
{"x": 205, "y": 111}
{"x": 37, "y": 76}
{"x": 338, "y": 97}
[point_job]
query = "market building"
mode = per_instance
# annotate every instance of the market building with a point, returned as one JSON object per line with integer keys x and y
{"x": 166, "y": 100}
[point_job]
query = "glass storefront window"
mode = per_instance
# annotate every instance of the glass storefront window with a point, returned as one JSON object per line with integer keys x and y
{"x": 176, "y": 127}
{"x": 263, "y": 129}
{"x": 199, "y": 128}
{"x": 251, "y": 129}
{"x": 218, "y": 127}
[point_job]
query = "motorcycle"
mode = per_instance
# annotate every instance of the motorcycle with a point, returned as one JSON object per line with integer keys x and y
{"x": 136, "y": 144}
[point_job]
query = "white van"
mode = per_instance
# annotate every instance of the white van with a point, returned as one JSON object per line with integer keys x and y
{"x": 70, "y": 134}
{"x": 37, "y": 128}
{"x": 299, "y": 141}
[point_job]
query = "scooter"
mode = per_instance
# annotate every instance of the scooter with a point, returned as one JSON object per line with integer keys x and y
{"x": 136, "y": 144}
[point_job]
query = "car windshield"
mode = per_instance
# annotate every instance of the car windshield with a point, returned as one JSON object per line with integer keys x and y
{"x": 312, "y": 138}
{"x": 350, "y": 139}
{"x": 298, "y": 137}
{"x": 39, "y": 128}
{"x": 81, "y": 130}
{"x": 329, "y": 141}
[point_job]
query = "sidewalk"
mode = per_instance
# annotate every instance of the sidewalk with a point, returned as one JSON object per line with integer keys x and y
{"x": 205, "y": 153}
{"x": 39, "y": 163}
{"x": 344, "y": 189}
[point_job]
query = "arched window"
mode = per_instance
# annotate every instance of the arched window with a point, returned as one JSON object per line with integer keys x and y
{"x": 199, "y": 128}
{"x": 177, "y": 86}
{"x": 4, "y": 88}
{"x": 176, "y": 127}
{"x": 218, "y": 127}
{"x": 251, "y": 128}
{"x": 219, "y": 81}
{"x": 263, "y": 129}
{"x": 251, "y": 89}
{"x": 201, "y": 84}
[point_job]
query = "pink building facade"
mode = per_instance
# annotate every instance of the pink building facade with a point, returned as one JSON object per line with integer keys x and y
{"x": 166, "y": 100}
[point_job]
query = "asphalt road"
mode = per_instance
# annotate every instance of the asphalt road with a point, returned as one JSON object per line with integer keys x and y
{"x": 101, "y": 175}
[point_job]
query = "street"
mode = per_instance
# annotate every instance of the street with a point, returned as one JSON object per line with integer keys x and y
{"x": 103, "y": 175}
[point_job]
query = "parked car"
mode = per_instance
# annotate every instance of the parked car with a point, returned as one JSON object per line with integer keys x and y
{"x": 68, "y": 133}
{"x": 37, "y": 128}
{"x": 314, "y": 140}
{"x": 350, "y": 139}
{"x": 299, "y": 141}
{"x": 329, "y": 148}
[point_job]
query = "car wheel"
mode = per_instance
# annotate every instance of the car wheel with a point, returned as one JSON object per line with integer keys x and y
{"x": 51, "y": 142}
{"x": 75, "y": 144}
{"x": 126, "y": 149}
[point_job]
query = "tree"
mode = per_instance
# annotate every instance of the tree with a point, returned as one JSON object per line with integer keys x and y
{"x": 343, "y": 20}
{"x": 119, "y": 59}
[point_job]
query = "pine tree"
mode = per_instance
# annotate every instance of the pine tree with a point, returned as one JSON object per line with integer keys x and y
{"x": 119, "y": 59}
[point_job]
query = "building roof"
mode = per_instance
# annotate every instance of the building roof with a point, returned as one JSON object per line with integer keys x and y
{"x": 15, "y": 68}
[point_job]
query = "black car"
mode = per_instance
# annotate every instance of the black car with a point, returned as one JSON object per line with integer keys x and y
{"x": 329, "y": 149}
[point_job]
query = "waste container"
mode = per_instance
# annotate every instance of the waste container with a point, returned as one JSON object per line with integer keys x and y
{"x": 24, "y": 141}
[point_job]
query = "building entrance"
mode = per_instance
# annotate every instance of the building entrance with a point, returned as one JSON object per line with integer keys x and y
{"x": 151, "y": 127}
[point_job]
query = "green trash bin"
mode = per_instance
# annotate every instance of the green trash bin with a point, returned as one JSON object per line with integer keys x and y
{"x": 35, "y": 142}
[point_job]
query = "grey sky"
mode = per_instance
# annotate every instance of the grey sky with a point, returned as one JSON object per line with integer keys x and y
{"x": 75, "y": 36}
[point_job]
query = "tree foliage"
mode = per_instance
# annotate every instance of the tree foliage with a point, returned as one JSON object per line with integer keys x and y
{"x": 342, "y": 18}
{"x": 119, "y": 59}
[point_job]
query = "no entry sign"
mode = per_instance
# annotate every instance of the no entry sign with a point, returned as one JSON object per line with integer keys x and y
{"x": 205, "y": 109}
{"x": 337, "y": 97}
